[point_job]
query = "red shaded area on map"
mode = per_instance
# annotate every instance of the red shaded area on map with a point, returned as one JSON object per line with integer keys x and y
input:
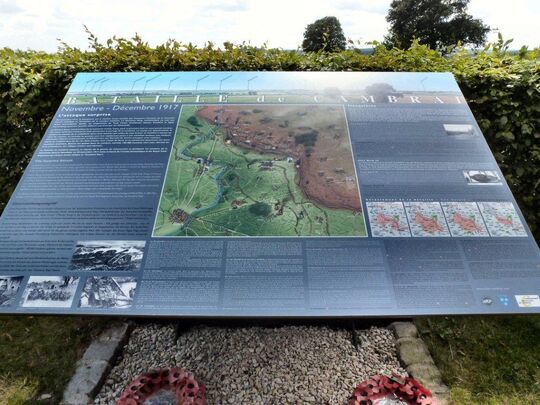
{"x": 428, "y": 224}
{"x": 505, "y": 221}
{"x": 384, "y": 220}
{"x": 315, "y": 138}
{"x": 467, "y": 224}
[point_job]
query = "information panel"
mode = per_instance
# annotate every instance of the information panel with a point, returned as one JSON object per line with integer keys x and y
{"x": 265, "y": 194}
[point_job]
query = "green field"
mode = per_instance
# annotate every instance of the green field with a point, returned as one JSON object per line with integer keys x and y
{"x": 216, "y": 188}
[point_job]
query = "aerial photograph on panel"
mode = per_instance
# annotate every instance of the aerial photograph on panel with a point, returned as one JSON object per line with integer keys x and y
{"x": 261, "y": 170}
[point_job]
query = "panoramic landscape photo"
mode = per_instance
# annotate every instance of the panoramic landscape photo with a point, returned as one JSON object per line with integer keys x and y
{"x": 261, "y": 170}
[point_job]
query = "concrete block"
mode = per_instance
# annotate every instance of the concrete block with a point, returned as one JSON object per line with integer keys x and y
{"x": 413, "y": 351}
{"x": 427, "y": 374}
{"x": 94, "y": 365}
{"x": 117, "y": 332}
{"x": 404, "y": 330}
{"x": 103, "y": 351}
{"x": 84, "y": 384}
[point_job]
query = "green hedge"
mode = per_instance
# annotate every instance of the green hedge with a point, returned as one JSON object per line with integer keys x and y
{"x": 503, "y": 91}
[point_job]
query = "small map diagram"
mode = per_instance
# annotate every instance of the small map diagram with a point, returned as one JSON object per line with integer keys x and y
{"x": 502, "y": 219}
{"x": 482, "y": 177}
{"x": 388, "y": 219}
{"x": 426, "y": 219}
{"x": 464, "y": 219}
{"x": 261, "y": 170}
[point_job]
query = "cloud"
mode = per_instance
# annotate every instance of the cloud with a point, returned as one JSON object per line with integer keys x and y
{"x": 10, "y": 7}
{"x": 520, "y": 24}
{"x": 370, "y": 6}
{"x": 224, "y": 5}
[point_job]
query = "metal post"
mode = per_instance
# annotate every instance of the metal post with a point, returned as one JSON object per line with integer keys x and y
{"x": 198, "y": 80}
{"x": 249, "y": 81}
{"x": 148, "y": 81}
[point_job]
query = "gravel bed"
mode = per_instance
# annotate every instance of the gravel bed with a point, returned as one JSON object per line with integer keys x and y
{"x": 148, "y": 346}
{"x": 286, "y": 365}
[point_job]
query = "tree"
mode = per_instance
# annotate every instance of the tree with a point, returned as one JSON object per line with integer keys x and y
{"x": 437, "y": 23}
{"x": 260, "y": 209}
{"x": 324, "y": 34}
{"x": 194, "y": 121}
{"x": 381, "y": 91}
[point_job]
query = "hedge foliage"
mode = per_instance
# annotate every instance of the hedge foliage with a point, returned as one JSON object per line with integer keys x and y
{"x": 503, "y": 91}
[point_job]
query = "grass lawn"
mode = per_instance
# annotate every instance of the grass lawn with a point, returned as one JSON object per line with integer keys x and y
{"x": 487, "y": 360}
{"x": 39, "y": 355}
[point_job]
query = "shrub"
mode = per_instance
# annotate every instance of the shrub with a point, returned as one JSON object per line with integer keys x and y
{"x": 502, "y": 89}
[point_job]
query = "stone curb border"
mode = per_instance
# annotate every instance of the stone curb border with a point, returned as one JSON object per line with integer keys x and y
{"x": 417, "y": 361}
{"x": 95, "y": 364}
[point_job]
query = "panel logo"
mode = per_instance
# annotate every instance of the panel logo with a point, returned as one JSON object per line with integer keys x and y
{"x": 487, "y": 301}
{"x": 528, "y": 301}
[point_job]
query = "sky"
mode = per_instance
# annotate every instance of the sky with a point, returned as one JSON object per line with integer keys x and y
{"x": 38, "y": 24}
{"x": 259, "y": 81}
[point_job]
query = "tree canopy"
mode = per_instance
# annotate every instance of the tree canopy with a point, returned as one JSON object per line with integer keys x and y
{"x": 324, "y": 34}
{"x": 436, "y": 23}
{"x": 381, "y": 91}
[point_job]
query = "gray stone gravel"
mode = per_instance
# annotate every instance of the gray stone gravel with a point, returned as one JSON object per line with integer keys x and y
{"x": 286, "y": 365}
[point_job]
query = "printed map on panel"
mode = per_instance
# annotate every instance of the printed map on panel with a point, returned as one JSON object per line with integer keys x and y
{"x": 261, "y": 170}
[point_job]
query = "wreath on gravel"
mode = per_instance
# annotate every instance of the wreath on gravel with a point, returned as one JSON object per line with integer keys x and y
{"x": 395, "y": 389}
{"x": 187, "y": 389}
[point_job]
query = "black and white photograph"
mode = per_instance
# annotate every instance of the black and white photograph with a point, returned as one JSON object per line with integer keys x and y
{"x": 9, "y": 286}
{"x": 50, "y": 291}
{"x": 459, "y": 129}
{"x": 108, "y": 292}
{"x": 482, "y": 177}
{"x": 107, "y": 255}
